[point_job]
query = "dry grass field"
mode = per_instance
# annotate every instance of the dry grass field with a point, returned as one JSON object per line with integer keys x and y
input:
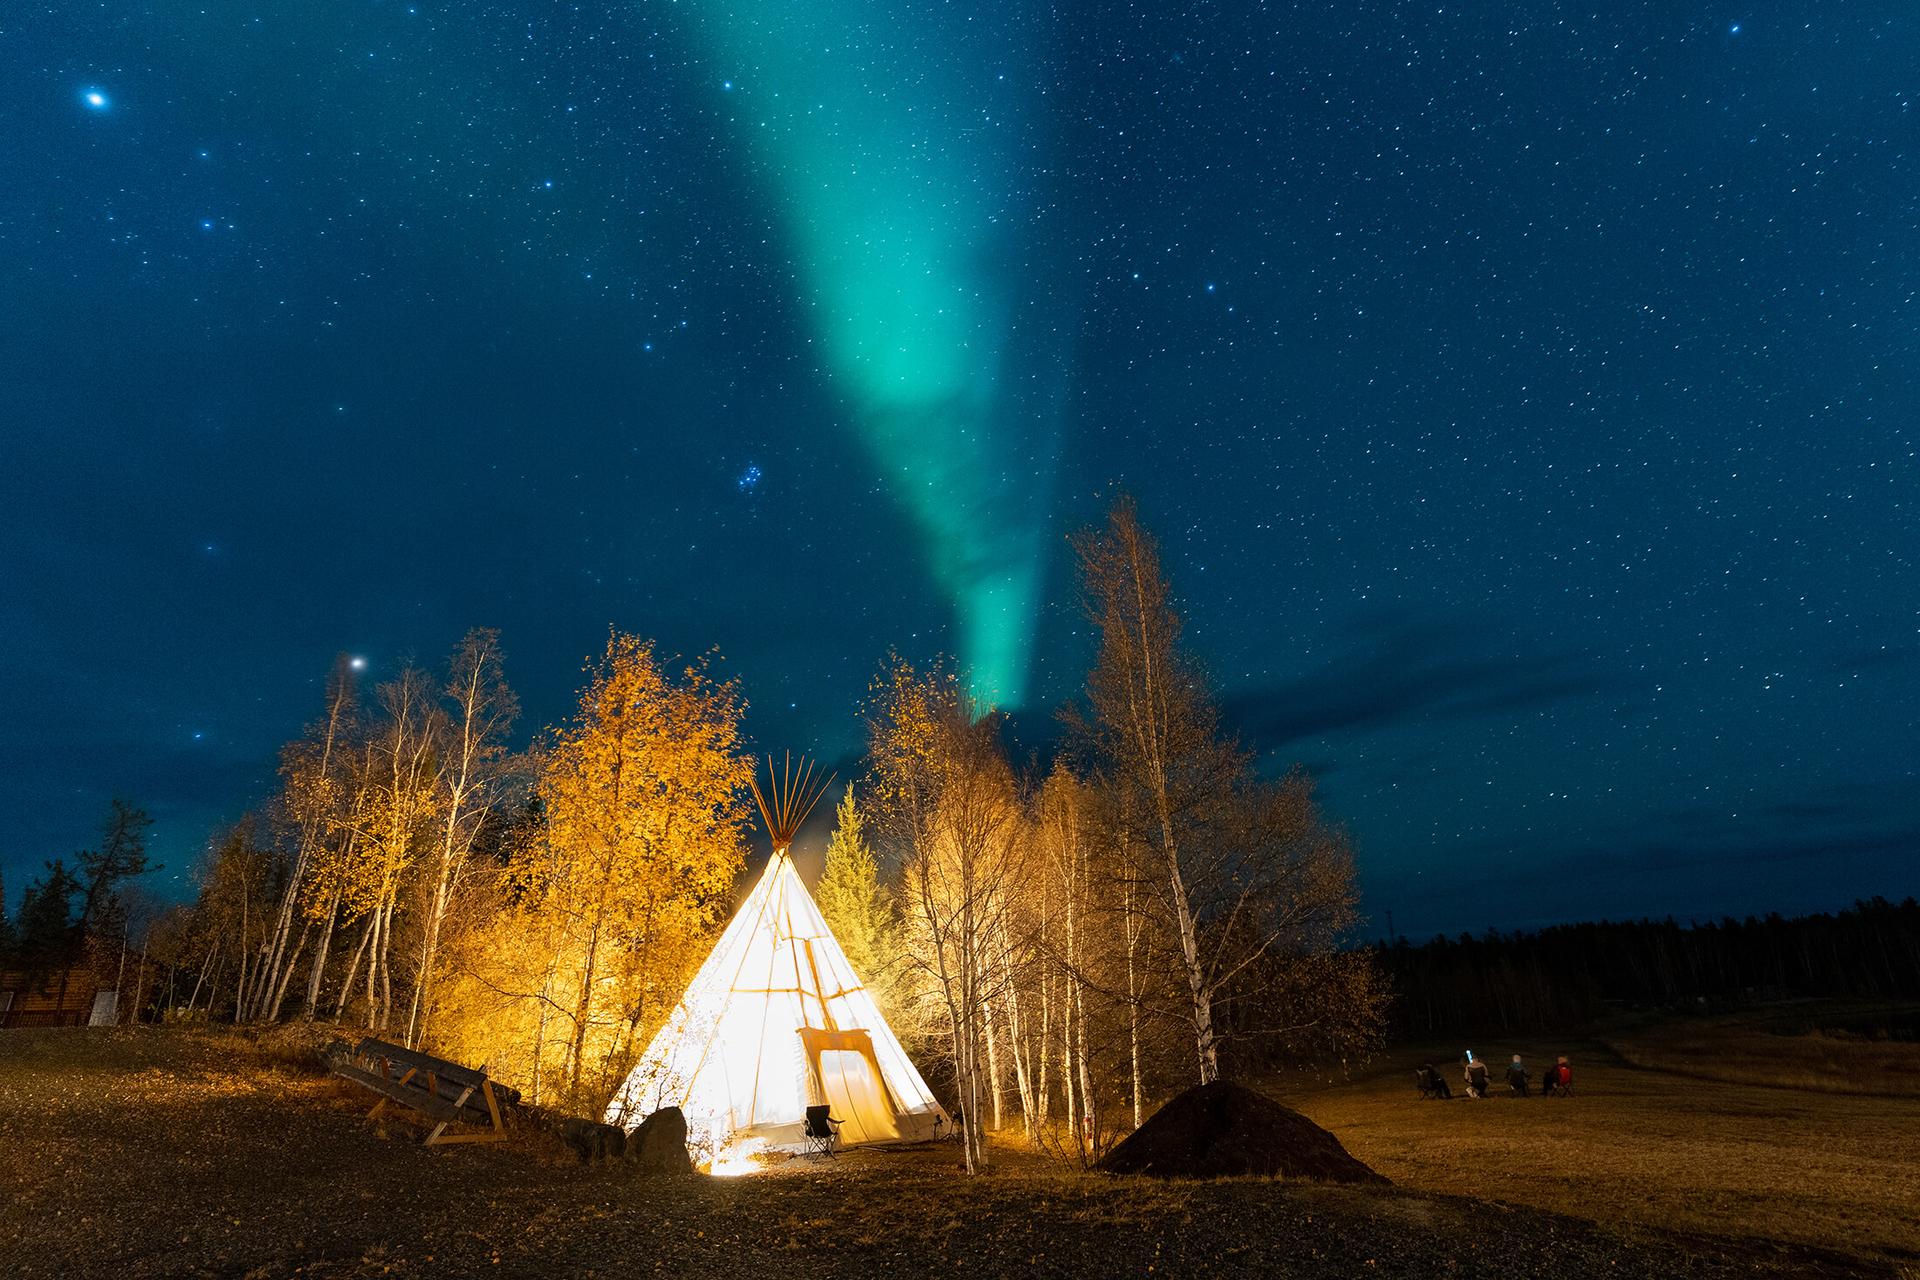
{"x": 136, "y": 1153}
{"x": 1828, "y": 1047}
{"x": 1668, "y": 1148}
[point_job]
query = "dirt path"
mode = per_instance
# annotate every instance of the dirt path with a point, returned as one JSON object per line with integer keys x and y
{"x": 133, "y": 1154}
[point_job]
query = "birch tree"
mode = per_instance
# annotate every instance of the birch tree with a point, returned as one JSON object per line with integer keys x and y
{"x": 1063, "y": 843}
{"x": 231, "y": 924}
{"x": 940, "y": 776}
{"x": 480, "y": 709}
{"x": 644, "y": 797}
{"x": 1158, "y": 734}
{"x": 334, "y": 889}
{"x": 1236, "y": 872}
{"x": 309, "y": 801}
{"x": 392, "y": 824}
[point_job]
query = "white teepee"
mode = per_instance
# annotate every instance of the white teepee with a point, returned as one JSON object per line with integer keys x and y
{"x": 775, "y": 1021}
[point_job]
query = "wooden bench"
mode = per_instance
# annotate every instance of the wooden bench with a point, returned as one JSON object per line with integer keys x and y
{"x": 442, "y": 1091}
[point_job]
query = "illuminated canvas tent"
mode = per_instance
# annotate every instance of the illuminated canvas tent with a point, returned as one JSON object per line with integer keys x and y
{"x": 776, "y": 1020}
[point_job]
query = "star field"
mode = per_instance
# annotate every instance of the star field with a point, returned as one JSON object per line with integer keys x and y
{"x": 1525, "y": 396}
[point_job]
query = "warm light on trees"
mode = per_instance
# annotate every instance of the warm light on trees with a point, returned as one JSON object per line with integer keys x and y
{"x": 309, "y": 805}
{"x": 1157, "y": 735}
{"x": 393, "y": 823}
{"x": 472, "y": 780}
{"x": 644, "y": 797}
{"x": 1078, "y": 941}
{"x": 1240, "y": 876}
{"x": 940, "y": 775}
{"x": 860, "y": 910}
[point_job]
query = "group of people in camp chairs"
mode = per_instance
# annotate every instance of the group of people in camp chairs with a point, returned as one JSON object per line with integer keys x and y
{"x": 1558, "y": 1080}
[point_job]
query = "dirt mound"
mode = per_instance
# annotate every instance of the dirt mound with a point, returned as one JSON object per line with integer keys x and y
{"x": 1223, "y": 1130}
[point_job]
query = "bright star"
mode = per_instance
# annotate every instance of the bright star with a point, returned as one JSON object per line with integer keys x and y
{"x": 358, "y": 664}
{"x": 95, "y": 99}
{"x": 1734, "y": 29}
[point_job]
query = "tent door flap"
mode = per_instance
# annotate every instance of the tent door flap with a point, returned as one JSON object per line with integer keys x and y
{"x": 844, "y": 1073}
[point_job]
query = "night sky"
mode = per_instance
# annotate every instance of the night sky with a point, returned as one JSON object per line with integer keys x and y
{"x": 1525, "y": 396}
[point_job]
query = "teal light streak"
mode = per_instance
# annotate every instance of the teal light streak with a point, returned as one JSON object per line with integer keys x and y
{"x": 897, "y": 185}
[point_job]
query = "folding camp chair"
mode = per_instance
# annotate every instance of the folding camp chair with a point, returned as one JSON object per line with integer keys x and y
{"x": 822, "y": 1131}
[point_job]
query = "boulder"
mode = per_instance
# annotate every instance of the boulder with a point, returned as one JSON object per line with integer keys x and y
{"x": 592, "y": 1141}
{"x": 658, "y": 1144}
{"x": 1224, "y": 1130}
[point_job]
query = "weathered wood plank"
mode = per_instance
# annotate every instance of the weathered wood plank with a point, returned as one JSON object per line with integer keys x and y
{"x": 370, "y": 1049}
{"x": 427, "y": 1104}
{"x": 424, "y": 1086}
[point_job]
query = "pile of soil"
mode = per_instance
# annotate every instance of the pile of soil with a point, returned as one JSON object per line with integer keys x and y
{"x": 1224, "y": 1130}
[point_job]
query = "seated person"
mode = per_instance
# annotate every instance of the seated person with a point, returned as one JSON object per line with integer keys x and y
{"x": 1517, "y": 1077}
{"x": 1559, "y": 1077}
{"x": 1432, "y": 1084}
{"x": 1476, "y": 1074}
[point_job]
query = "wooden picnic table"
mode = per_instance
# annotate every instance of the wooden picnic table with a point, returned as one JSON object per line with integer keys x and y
{"x": 442, "y": 1091}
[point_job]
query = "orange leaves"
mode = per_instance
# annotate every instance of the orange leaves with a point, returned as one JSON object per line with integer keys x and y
{"x": 644, "y": 791}
{"x": 644, "y": 796}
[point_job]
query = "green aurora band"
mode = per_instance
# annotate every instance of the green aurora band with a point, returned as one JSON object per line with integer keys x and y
{"x": 896, "y": 185}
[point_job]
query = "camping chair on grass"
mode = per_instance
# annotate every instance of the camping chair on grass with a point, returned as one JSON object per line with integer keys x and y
{"x": 1558, "y": 1082}
{"x": 822, "y": 1131}
{"x": 1476, "y": 1079}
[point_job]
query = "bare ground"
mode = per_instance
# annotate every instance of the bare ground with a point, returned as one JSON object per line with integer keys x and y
{"x": 138, "y": 1153}
{"x": 1662, "y": 1149}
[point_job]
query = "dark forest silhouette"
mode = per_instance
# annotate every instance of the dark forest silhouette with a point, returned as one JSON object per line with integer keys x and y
{"x": 1570, "y": 975}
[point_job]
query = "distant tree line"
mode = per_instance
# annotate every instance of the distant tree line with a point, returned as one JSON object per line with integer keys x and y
{"x": 78, "y": 916}
{"x": 1570, "y": 975}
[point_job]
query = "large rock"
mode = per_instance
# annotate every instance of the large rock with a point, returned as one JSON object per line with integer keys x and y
{"x": 658, "y": 1144}
{"x": 1224, "y": 1130}
{"x": 592, "y": 1141}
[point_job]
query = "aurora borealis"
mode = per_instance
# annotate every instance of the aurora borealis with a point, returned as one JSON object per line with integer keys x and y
{"x": 890, "y": 150}
{"x": 1524, "y": 396}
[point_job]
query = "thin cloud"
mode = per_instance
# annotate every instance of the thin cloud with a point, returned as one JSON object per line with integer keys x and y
{"x": 1405, "y": 669}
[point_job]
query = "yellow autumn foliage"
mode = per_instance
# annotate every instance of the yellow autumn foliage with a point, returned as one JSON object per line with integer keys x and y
{"x": 614, "y": 904}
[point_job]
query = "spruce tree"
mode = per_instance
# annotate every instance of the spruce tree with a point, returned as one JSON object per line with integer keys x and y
{"x": 856, "y": 905}
{"x": 121, "y": 856}
{"x": 46, "y": 921}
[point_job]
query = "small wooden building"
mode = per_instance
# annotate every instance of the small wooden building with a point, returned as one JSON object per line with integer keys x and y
{"x": 39, "y": 1001}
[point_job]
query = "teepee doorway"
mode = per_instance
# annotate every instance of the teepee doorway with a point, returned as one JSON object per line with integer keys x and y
{"x": 846, "y": 1076}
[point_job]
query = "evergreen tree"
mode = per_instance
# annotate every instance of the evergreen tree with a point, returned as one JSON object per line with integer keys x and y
{"x": 122, "y": 855}
{"x": 860, "y": 911}
{"x": 46, "y": 921}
